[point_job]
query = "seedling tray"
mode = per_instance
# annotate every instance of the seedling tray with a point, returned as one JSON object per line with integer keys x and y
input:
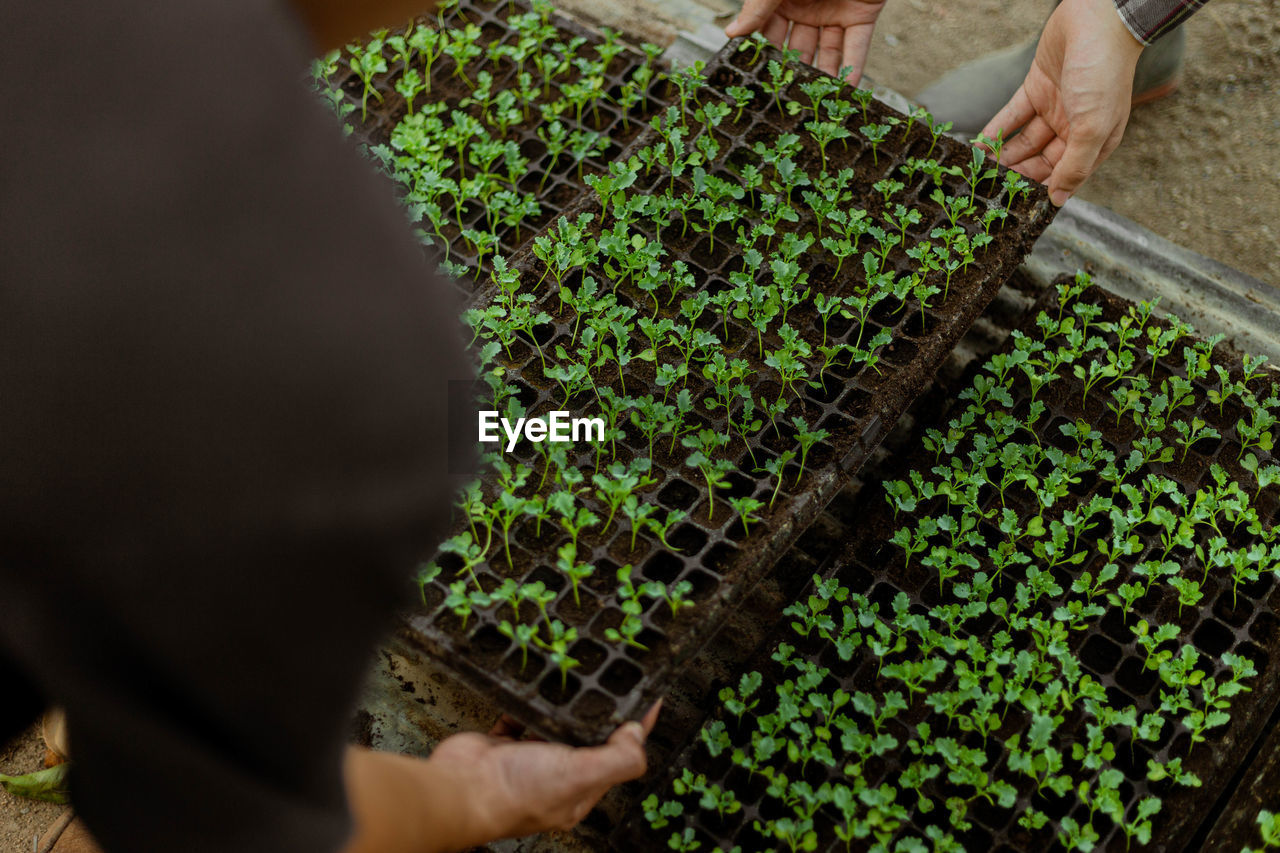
{"x": 1257, "y": 789}
{"x": 715, "y": 555}
{"x": 554, "y": 183}
{"x": 865, "y": 562}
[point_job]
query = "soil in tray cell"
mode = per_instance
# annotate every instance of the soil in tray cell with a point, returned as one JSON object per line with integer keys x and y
{"x": 693, "y": 325}
{"x": 1021, "y": 674}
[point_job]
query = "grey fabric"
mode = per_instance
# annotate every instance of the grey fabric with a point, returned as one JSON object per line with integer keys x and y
{"x": 1148, "y": 20}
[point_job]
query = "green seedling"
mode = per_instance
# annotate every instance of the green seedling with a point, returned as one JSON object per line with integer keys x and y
{"x": 704, "y": 444}
{"x": 1269, "y": 829}
{"x": 567, "y": 563}
{"x": 427, "y": 573}
{"x": 807, "y": 439}
{"x": 557, "y": 648}
{"x": 367, "y": 61}
{"x": 745, "y": 509}
{"x": 775, "y": 468}
{"x": 875, "y": 134}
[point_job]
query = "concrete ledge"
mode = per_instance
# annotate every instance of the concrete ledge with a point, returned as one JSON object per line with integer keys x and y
{"x": 1133, "y": 262}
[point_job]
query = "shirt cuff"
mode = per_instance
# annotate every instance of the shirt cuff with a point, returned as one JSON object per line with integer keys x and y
{"x": 1148, "y": 20}
{"x": 1130, "y": 24}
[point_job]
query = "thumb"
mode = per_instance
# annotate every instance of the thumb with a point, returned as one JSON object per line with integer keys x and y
{"x": 1083, "y": 151}
{"x": 619, "y": 760}
{"x": 755, "y": 14}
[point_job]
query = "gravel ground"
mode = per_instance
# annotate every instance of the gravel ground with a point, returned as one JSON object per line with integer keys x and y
{"x": 23, "y": 820}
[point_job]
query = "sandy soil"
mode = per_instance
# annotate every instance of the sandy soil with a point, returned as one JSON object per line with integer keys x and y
{"x": 1198, "y": 167}
{"x": 22, "y": 820}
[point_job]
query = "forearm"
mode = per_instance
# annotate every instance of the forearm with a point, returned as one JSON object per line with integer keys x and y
{"x": 409, "y": 805}
{"x": 1150, "y": 19}
{"x": 333, "y": 23}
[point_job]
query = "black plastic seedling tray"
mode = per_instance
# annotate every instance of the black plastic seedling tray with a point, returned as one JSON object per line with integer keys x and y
{"x": 1256, "y": 789}
{"x": 556, "y": 185}
{"x": 858, "y": 407}
{"x": 862, "y": 558}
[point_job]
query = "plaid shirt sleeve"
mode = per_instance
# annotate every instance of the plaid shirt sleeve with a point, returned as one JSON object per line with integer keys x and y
{"x": 1150, "y": 19}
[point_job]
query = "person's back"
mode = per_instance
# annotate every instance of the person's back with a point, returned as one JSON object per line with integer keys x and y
{"x": 223, "y": 362}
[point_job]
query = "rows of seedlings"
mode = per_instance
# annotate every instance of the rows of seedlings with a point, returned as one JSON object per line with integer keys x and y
{"x": 748, "y": 301}
{"x": 743, "y": 641}
{"x": 1048, "y": 631}
{"x": 490, "y": 117}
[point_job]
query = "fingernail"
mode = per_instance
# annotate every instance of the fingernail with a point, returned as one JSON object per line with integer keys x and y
{"x": 635, "y": 729}
{"x": 1059, "y": 197}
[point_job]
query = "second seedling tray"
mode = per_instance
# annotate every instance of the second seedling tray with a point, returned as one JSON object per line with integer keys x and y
{"x": 865, "y": 562}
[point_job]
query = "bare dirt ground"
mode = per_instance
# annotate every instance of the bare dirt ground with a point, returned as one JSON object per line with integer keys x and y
{"x": 1198, "y": 167}
{"x": 23, "y": 820}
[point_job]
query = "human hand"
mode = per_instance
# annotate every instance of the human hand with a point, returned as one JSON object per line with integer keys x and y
{"x": 524, "y": 787}
{"x": 1071, "y": 111}
{"x": 477, "y": 788}
{"x": 837, "y": 33}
